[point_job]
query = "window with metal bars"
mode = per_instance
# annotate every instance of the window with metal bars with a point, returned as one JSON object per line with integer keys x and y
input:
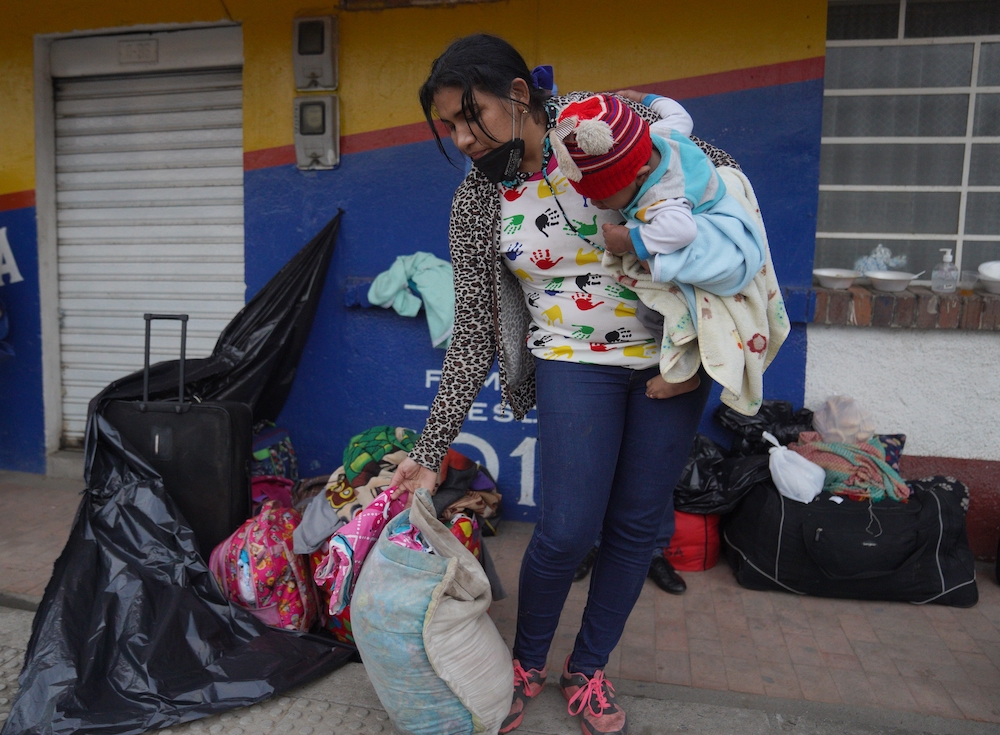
{"x": 911, "y": 132}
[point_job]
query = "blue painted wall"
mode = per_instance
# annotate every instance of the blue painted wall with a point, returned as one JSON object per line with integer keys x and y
{"x": 22, "y": 417}
{"x": 362, "y": 367}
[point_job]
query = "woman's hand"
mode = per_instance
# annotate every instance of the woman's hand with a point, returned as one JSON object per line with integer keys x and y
{"x": 617, "y": 238}
{"x": 631, "y": 94}
{"x": 410, "y": 476}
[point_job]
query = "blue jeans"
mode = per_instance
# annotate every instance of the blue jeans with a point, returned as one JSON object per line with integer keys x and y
{"x": 609, "y": 459}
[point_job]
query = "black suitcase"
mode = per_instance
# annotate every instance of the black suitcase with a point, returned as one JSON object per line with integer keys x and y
{"x": 201, "y": 450}
{"x": 911, "y": 552}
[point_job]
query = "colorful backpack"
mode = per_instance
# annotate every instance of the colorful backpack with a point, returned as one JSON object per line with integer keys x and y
{"x": 256, "y": 569}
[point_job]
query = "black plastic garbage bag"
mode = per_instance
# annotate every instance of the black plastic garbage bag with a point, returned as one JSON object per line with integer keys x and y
{"x": 713, "y": 482}
{"x": 256, "y": 356}
{"x": 133, "y": 633}
{"x": 777, "y": 417}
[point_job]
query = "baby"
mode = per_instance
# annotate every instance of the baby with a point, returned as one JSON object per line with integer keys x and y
{"x": 654, "y": 174}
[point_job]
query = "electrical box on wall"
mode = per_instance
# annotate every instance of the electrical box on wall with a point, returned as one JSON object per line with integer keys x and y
{"x": 317, "y": 132}
{"x": 314, "y": 53}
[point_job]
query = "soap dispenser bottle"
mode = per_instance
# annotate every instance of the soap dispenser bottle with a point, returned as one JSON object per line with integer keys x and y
{"x": 944, "y": 277}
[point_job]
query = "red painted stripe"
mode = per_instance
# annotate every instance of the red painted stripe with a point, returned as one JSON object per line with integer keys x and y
{"x": 17, "y": 200}
{"x": 736, "y": 81}
{"x": 388, "y": 137}
{"x": 268, "y": 157}
{"x": 728, "y": 81}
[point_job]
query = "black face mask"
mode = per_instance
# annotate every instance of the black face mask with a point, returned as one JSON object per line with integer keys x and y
{"x": 501, "y": 164}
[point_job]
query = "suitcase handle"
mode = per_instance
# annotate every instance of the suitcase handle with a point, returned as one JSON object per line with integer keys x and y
{"x": 183, "y": 319}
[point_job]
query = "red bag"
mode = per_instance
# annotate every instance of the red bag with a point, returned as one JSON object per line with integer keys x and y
{"x": 695, "y": 544}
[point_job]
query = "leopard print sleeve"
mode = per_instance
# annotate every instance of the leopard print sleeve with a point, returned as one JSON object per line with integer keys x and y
{"x": 473, "y": 343}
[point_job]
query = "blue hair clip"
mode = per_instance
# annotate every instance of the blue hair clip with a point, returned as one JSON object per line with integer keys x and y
{"x": 544, "y": 78}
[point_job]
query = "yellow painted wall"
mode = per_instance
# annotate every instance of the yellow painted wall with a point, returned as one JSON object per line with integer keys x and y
{"x": 385, "y": 55}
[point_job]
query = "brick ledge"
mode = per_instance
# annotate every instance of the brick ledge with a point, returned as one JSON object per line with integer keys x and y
{"x": 915, "y": 308}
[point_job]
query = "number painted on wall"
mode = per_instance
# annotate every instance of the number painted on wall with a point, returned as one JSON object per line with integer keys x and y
{"x": 525, "y": 451}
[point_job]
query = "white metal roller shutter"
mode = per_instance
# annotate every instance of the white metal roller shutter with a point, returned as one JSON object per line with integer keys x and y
{"x": 149, "y": 203}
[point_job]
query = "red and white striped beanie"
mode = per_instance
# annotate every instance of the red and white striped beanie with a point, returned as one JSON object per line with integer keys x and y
{"x": 600, "y": 144}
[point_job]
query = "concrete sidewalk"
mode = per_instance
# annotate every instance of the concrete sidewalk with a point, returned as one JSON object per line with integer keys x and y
{"x": 718, "y": 659}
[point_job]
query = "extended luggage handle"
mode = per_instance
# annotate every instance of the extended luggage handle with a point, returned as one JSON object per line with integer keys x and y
{"x": 183, "y": 319}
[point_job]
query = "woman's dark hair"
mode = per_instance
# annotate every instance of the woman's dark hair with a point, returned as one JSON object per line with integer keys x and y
{"x": 478, "y": 62}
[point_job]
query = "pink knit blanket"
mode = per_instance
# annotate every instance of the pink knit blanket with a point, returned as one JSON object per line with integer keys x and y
{"x": 858, "y": 471}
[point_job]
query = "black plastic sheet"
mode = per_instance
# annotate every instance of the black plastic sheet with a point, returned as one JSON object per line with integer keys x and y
{"x": 133, "y": 633}
{"x": 777, "y": 417}
{"x": 713, "y": 482}
{"x": 257, "y": 354}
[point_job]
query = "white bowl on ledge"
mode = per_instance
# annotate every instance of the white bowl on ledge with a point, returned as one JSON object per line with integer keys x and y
{"x": 989, "y": 276}
{"x": 836, "y": 277}
{"x": 892, "y": 281}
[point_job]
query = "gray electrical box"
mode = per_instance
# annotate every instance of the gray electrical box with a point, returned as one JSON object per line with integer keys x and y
{"x": 314, "y": 53}
{"x": 317, "y": 132}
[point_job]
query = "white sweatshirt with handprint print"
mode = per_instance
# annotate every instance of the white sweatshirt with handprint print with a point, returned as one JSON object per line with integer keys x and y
{"x": 579, "y": 313}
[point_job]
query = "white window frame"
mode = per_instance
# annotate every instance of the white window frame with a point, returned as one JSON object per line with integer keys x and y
{"x": 972, "y": 90}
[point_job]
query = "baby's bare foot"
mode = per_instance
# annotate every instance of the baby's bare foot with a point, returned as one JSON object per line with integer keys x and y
{"x": 659, "y": 388}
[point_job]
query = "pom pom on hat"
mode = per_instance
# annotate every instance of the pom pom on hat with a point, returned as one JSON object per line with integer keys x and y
{"x": 595, "y": 137}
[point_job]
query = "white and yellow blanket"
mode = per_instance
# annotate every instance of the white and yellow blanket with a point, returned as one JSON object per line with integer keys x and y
{"x": 734, "y": 337}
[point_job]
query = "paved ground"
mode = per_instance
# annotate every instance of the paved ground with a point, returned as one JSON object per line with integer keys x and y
{"x": 719, "y": 659}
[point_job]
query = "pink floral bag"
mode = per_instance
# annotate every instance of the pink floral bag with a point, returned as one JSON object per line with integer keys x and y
{"x": 256, "y": 569}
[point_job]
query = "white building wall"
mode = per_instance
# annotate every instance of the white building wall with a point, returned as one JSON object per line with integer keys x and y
{"x": 939, "y": 387}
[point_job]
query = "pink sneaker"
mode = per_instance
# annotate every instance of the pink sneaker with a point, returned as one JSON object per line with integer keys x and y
{"x": 527, "y": 684}
{"x": 593, "y": 698}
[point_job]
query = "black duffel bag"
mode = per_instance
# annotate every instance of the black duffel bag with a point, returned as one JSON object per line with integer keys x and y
{"x": 834, "y": 547}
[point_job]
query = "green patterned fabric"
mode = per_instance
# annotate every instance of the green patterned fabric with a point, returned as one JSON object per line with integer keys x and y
{"x": 372, "y": 445}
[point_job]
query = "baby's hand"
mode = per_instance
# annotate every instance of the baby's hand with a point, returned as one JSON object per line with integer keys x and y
{"x": 617, "y": 239}
{"x": 631, "y": 94}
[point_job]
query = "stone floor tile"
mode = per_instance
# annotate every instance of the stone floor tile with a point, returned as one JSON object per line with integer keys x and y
{"x": 757, "y": 605}
{"x": 708, "y": 672}
{"x": 978, "y": 626}
{"x": 928, "y": 670}
{"x": 832, "y": 640}
{"x": 816, "y": 683}
{"x": 704, "y": 647}
{"x": 953, "y": 635}
{"x": 702, "y": 625}
{"x": 673, "y": 667}
{"x": 979, "y": 668}
{"x": 803, "y": 649}
{"x": 794, "y": 621}
{"x": 737, "y": 644}
{"x": 695, "y": 602}
{"x": 638, "y": 663}
{"x": 854, "y": 687}
{"x": 857, "y": 627}
{"x": 841, "y": 661}
{"x": 742, "y": 675}
{"x": 671, "y": 638}
{"x": 874, "y": 658}
{"x": 890, "y": 691}
{"x": 972, "y": 702}
{"x": 780, "y": 680}
{"x": 932, "y": 697}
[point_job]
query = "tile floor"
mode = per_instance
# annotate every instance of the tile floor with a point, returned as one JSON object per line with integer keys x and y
{"x": 36, "y": 514}
{"x": 927, "y": 659}
{"x": 930, "y": 660}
